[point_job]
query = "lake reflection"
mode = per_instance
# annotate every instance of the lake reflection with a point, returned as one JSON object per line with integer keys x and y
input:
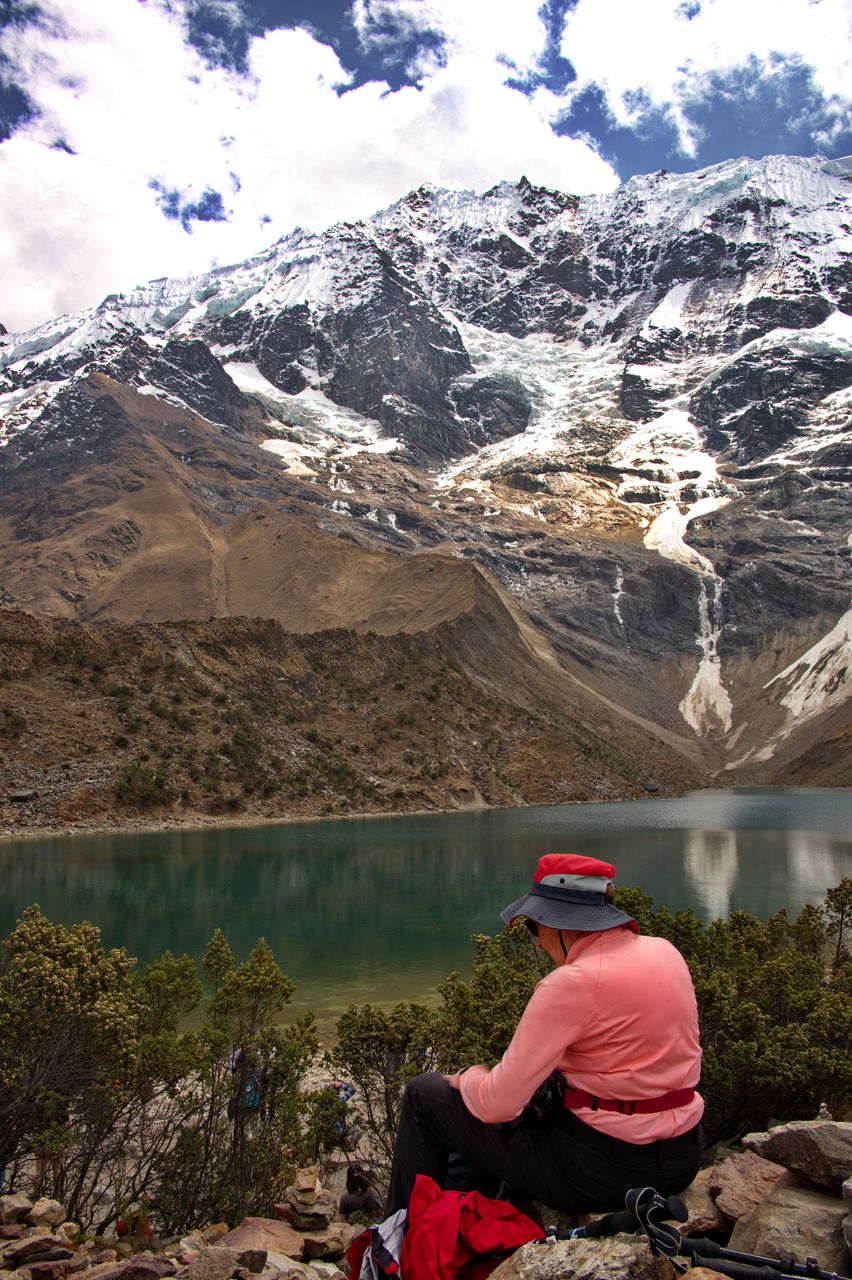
{"x": 383, "y": 909}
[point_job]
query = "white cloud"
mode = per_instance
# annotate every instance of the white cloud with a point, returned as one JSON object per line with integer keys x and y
{"x": 119, "y": 85}
{"x": 655, "y": 49}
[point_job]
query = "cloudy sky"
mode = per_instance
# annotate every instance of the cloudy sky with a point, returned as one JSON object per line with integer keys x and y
{"x": 141, "y": 138}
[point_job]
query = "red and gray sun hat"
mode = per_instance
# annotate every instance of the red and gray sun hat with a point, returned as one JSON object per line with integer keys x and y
{"x": 569, "y": 892}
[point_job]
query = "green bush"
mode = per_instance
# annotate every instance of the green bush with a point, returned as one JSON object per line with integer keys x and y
{"x": 379, "y": 1052}
{"x": 12, "y": 723}
{"x": 774, "y": 999}
{"x": 94, "y": 1069}
{"x": 143, "y": 787}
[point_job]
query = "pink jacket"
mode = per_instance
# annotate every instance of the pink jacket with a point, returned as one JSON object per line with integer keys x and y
{"x": 619, "y": 1018}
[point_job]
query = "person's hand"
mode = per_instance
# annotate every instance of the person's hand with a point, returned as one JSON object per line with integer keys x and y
{"x": 455, "y": 1079}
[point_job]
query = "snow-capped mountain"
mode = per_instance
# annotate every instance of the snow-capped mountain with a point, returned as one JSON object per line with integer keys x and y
{"x": 632, "y": 411}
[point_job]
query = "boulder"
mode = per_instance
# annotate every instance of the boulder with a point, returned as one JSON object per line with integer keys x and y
{"x": 193, "y": 1242}
{"x": 252, "y": 1260}
{"x": 847, "y": 1232}
{"x": 296, "y": 1271}
{"x": 846, "y": 1192}
{"x": 12, "y": 1231}
{"x": 56, "y": 1270}
{"x": 263, "y": 1233}
{"x": 315, "y": 1217}
{"x": 305, "y": 1205}
{"x": 327, "y": 1271}
{"x": 215, "y": 1231}
{"x": 46, "y": 1213}
{"x": 221, "y": 1263}
{"x": 819, "y": 1149}
{"x": 14, "y": 1207}
{"x": 703, "y": 1217}
{"x": 109, "y": 1269}
{"x": 796, "y": 1220}
{"x": 306, "y": 1186}
{"x": 51, "y": 1249}
{"x": 610, "y": 1258}
{"x": 142, "y": 1266}
{"x": 742, "y": 1182}
{"x": 331, "y": 1243}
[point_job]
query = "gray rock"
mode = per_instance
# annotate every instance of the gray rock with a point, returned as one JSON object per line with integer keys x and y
{"x": 846, "y": 1192}
{"x": 616, "y": 1258}
{"x": 46, "y": 1213}
{"x": 799, "y": 1221}
{"x": 847, "y": 1232}
{"x": 304, "y": 1215}
{"x": 143, "y": 1266}
{"x": 327, "y": 1271}
{"x": 221, "y": 1263}
{"x": 14, "y": 1207}
{"x": 331, "y": 1243}
{"x": 704, "y": 1216}
{"x": 742, "y": 1182}
{"x": 277, "y": 1238}
{"x": 821, "y": 1150}
{"x": 58, "y": 1269}
{"x": 43, "y": 1247}
{"x": 253, "y": 1260}
{"x": 295, "y": 1271}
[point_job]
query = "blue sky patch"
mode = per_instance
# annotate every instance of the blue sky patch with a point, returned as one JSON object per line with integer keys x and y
{"x": 223, "y": 39}
{"x": 15, "y": 107}
{"x": 209, "y": 207}
{"x": 747, "y": 111}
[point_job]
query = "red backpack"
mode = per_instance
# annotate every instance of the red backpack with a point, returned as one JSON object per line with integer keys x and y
{"x": 450, "y": 1235}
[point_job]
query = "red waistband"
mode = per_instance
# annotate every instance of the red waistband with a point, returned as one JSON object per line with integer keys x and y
{"x": 574, "y": 1099}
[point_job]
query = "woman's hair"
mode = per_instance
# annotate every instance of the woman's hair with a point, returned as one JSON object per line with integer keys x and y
{"x": 357, "y": 1180}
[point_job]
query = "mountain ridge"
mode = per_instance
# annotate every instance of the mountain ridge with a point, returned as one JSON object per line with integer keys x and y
{"x": 631, "y": 411}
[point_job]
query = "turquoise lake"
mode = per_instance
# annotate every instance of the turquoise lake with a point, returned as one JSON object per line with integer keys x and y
{"x": 383, "y": 909}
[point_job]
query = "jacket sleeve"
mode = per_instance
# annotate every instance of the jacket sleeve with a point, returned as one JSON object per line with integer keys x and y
{"x": 556, "y": 1014}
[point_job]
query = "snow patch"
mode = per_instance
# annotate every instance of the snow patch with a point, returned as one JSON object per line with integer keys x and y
{"x": 617, "y": 594}
{"x": 822, "y": 677}
{"x": 668, "y": 314}
{"x": 327, "y": 427}
{"x": 20, "y": 408}
{"x": 707, "y": 705}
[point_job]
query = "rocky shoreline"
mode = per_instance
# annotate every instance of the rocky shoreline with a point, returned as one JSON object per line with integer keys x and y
{"x": 788, "y": 1193}
{"x": 201, "y": 822}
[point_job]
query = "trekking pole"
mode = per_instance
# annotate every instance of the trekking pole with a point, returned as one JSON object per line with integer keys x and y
{"x": 650, "y": 1211}
{"x": 612, "y": 1223}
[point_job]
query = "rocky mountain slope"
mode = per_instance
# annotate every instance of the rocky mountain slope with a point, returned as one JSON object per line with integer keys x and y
{"x": 630, "y": 413}
{"x": 237, "y": 718}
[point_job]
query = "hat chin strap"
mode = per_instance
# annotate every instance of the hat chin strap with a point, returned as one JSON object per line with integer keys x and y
{"x": 562, "y": 945}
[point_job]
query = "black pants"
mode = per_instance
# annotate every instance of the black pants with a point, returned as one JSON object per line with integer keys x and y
{"x": 566, "y": 1165}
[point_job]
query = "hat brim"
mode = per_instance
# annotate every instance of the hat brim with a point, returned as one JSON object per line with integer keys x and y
{"x": 583, "y": 918}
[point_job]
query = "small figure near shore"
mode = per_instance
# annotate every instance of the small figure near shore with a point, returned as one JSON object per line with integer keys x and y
{"x": 359, "y": 1197}
{"x": 346, "y": 1135}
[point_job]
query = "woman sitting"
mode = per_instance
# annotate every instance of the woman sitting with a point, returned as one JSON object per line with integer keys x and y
{"x": 617, "y": 1019}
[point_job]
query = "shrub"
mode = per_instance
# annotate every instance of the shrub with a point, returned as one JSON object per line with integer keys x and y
{"x": 139, "y": 785}
{"x": 380, "y": 1052}
{"x": 93, "y": 1066}
{"x": 12, "y": 723}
